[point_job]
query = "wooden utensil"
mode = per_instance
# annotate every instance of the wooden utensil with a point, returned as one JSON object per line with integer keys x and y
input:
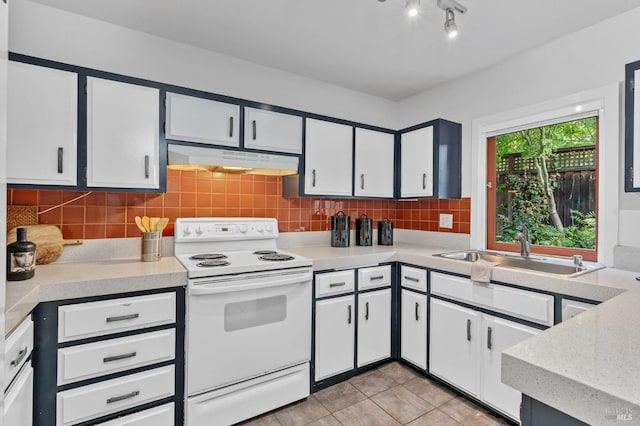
{"x": 48, "y": 240}
{"x": 138, "y": 220}
{"x": 162, "y": 223}
{"x": 153, "y": 224}
{"x": 146, "y": 224}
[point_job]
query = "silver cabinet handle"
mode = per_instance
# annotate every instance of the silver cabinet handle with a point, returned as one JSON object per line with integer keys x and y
{"x": 123, "y": 397}
{"x": 469, "y": 330}
{"x": 146, "y": 167}
{"x": 415, "y": 280}
{"x": 313, "y": 178}
{"x": 417, "y": 311}
{"x": 231, "y": 126}
{"x": 424, "y": 181}
{"x": 123, "y": 318}
{"x": 376, "y": 278}
{"x": 255, "y": 133}
{"x": 366, "y": 311}
{"x": 337, "y": 284}
{"x": 21, "y": 355}
{"x": 118, "y": 357}
{"x": 349, "y": 318}
{"x": 362, "y": 181}
{"x": 60, "y": 152}
{"x": 489, "y": 342}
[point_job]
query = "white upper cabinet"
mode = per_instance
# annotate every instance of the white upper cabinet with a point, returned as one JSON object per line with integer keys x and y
{"x": 42, "y": 112}
{"x": 202, "y": 120}
{"x": 374, "y": 164}
{"x": 272, "y": 131}
{"x": 416, "y": 176}
{"x": 123, "y": 130}
{"x": 328, "y": 158}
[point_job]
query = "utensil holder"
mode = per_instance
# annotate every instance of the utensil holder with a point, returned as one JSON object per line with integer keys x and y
{"x": 151, "y": 246}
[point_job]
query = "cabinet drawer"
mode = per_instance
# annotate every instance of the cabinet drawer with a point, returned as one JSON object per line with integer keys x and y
{"x": 333, "y": 283}
{"x": 97, "y": 359}
{"x": 413, "y": 278}
{"x": 18, "y": 346}
{"x": 88, "y": 402}
{"x": 379, "y": 276}
{"x": 91, "y": 319}
{"x": 528, "y": 305}
{"x": 157, "y": 416}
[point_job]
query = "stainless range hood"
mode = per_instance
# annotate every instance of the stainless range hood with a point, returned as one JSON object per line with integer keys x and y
{"x": 228, "y": 161}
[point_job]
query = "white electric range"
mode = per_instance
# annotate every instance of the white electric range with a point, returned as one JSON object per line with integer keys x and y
{"x": 248, "y": 332}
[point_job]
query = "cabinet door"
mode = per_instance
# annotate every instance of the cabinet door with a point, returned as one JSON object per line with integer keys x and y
{"x": 497, "y": 335}
{"x": 374, "y": 326}
{"x": 571, "y": 308}
{"x": 328, "y": 158}
{"x": 416, "y": 163}
{"x": 374, "y": 164}
{"x": 454, "y": 335}
{"x": 413, "y": 328}
{"x": 202, "y": 120}
{"x": 42, "y": 112}
{"x": 272, "y": 131}
{"x": 335, "y": 336}
{"x": 122, "y": 135}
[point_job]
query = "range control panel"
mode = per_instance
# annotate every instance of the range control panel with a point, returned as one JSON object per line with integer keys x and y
{"x": 224, "y": 229}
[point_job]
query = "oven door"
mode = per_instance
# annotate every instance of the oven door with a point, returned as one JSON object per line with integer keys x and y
{"x": 247, "y": 325}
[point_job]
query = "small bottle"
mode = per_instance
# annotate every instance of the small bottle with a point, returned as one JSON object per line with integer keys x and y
{"x": 21, "y": 258}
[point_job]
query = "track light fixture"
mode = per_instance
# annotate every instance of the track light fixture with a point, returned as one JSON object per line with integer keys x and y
{"x": 450, "y": 26}
{"x": 413, "y": 7}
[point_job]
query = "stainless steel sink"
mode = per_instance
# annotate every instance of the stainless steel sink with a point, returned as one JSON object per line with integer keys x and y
{"x": 548, "y": 264}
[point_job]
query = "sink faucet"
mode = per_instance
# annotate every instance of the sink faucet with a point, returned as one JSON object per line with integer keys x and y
{"x": 525, "y": 242}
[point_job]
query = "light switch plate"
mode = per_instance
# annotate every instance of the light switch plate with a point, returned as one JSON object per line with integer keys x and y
{"x": 446, "y": 220}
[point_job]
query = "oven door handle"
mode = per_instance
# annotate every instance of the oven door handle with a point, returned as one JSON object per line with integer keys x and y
{"x": 201, "y": 290}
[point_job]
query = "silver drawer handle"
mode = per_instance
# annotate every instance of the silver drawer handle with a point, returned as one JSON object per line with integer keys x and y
{"x": 146, "y": 167}
{"x": 119, "y": 357}
{"x": 415, "y": 280}
{"x": 417, "y": 311}
{"x": 362, "y": 181}
{"x": 469, "y": 330}
{"x": 349, "y": 317}
{"x": 489, "y": 340}
{"x": 60, "y": 157}
{"x": 123, "y": 317}
{"x": 123, "y": 397}
{"x": 424, "y": 181}
{"x": 377, "y": 277}
{"x": 21, "y": 355}
{"x": 231, "y": 126}
{"x": 366, "y": 311}
{"x": 313, "y": 178}
{"x": 337, "y": 284}
{"x": 255, "y": 133}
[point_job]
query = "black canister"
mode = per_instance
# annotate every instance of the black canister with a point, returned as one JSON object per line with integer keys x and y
{"x": 21, "y": 257}
{"x": 364, "y": 230}
{"x": 385, "y": 233}
{"x": 340, "y": 230}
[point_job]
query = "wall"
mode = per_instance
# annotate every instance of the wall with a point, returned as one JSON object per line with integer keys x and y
{"x": 54, "y": 34}
{"x": 191, "y": 193}
{"x": 588, "y": 59}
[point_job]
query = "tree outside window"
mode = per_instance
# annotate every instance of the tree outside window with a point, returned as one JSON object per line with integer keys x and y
{"x": 545, "y": 178}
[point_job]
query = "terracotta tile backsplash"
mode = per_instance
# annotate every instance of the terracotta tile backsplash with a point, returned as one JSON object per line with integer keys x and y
{"x": 200, "y": 193}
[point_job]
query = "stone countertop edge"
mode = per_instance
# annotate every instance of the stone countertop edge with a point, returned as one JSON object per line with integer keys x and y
{"x": 62, "y": 281}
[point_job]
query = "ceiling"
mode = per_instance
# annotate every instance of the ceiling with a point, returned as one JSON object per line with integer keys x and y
{"x": 369, "y": 46}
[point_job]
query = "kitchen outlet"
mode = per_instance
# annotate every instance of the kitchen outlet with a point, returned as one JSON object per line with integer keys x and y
{"x": 446, "y": 220}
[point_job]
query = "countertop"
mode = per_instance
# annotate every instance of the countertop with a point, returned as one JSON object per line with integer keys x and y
{"x": 61, "y": 281}
{"x": 587, "y": 367}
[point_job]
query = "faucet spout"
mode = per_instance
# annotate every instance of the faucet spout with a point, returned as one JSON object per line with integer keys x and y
{"x": 525, "y": 241}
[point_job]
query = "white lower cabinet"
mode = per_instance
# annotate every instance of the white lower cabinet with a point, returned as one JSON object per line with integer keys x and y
{"x": 454, "y": 349}
{"x": 465, "y": 350}
{"x": 497, "y": 335}
{"x": 335, "y": 336}
{"x": 374, "y": 326}
{"x": 413, "y": 336}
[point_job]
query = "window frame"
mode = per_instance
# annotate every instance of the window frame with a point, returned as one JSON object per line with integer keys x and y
{"x": 492, "y": 244}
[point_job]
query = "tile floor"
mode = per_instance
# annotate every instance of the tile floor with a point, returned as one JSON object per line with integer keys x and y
{"x": 389, "y": 395}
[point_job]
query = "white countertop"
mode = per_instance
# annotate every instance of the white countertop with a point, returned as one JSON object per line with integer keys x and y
{"x": 587, "y": 367}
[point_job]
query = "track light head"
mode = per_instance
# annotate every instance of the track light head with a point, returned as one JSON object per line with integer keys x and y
{"x": 450, "y": 26}
{"x": 413, "y": 7}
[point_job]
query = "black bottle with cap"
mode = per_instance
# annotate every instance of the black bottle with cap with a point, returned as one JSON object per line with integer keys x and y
{"x": 21, "y": 258}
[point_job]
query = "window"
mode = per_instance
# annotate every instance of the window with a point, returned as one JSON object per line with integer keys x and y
{"x": 544, "y": 177}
